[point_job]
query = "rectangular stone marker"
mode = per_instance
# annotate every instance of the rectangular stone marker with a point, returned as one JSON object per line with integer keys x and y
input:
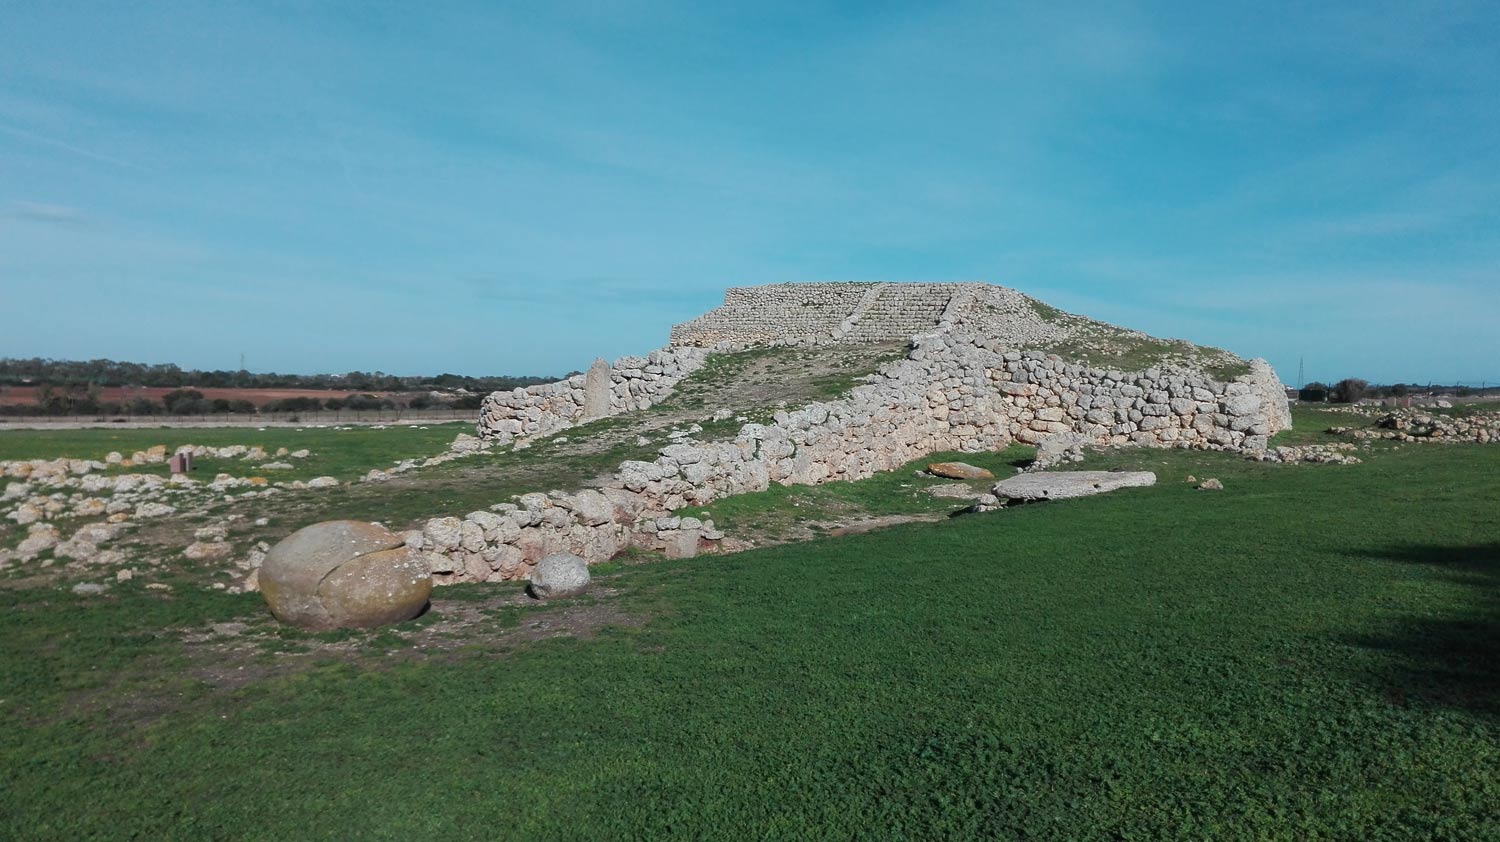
{"x": 179, "y": 463}
{"x": 597, "y": 386}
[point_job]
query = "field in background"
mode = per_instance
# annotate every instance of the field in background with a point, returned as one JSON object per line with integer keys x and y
{"x": 26, "y": 395}
{"x": 1310, "y": 653}
{"x": 344, "y": 453}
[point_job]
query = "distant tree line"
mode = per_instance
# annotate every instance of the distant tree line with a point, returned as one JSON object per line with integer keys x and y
{"x": 1354, "y": 390}
{"x": 68, "y": 373}
{"x": 64, "y": 387}
{"x": 85, "y": 400}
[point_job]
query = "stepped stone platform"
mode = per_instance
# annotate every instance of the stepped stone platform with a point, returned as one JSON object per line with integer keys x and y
{"x": 853, "y": 312}
{"x": 986, "y": 367}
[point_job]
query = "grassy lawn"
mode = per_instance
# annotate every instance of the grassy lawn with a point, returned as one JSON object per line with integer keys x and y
{"x": 1310, "y": 653}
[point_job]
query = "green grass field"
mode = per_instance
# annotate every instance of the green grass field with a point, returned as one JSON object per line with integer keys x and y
{"x": 1309, "y": 654}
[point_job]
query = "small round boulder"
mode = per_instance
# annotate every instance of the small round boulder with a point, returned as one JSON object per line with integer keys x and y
{"x": 560, "y": 575}
{"x": 344, "y": 574}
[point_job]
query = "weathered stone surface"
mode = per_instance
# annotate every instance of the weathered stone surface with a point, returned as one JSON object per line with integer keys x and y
{"x": 40, "y": 538}
{"x": 959, "y": 470}
{"x": 560, "y": 575}
{"x": 147, "y": 510}
{"x": 680, "y": 543}
{"x": 207, "y": 551}
{"x": 377, "y": 588}
{"x": 1211, "y": 484}
{"x": 592, "y": 508}
{"x": 1063, "y": 485}
{"x": 304, "y": 583}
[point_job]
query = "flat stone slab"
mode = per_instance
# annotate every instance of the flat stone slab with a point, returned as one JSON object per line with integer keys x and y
{"x": 955, "y": 491}
{"x": 958, "y": 470}
{"x": 1063, "y": 485}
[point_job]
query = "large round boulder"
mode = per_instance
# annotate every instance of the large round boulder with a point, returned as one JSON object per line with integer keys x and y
{"x": 344, "y": 574}
{"x": 560, "y": 575}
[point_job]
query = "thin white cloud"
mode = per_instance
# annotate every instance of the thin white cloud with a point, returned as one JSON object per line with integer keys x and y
{"x": 47, "y": 213}
{"x": 55, "y": 143}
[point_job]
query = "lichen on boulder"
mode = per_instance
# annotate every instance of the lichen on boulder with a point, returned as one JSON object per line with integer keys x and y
{"x": 344, "y": 574}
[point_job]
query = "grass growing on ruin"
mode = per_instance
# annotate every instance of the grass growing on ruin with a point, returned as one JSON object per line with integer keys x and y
{"x": 1131, "y": 353}
{"x": 1311, "y": 653}
{"x": 765, "y": 377}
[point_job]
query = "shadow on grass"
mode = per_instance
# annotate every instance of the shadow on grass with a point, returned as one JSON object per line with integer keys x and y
{"x": 1452, "y": 660}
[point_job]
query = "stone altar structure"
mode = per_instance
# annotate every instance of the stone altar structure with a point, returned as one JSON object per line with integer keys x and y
{"x": 972, "y": 380}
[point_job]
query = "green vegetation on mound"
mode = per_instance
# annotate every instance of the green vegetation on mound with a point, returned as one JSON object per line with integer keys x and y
{"x": 1311, "y": 653}
{"x": 1129, "y": 352}
{"x": 758, "y": 379}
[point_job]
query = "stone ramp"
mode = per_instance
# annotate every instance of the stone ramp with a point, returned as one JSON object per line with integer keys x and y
{"x": 899, "y": 311}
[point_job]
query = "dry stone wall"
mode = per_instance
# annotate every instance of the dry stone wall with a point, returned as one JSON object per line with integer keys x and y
{"x": 632, "y": 383}
{"x": 954, "y": 391}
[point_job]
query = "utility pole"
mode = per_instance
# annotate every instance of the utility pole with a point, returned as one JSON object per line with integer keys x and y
{"x": 1301, "y": 381}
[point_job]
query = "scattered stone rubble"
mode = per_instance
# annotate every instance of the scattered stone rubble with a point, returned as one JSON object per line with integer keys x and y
{"x": 45, "y": 493}
{"x": 1321, "y": 454}
{"x": 1417, "y": 426}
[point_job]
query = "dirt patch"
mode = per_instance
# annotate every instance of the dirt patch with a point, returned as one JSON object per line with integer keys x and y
{"x": 794, "y": 533}
{"x": 224, "y": 657}
{"x": 874, "y": 523}
{"x": 232, "y": 655}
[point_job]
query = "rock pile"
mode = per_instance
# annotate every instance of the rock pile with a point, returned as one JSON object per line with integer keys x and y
{"x": 1417, "y": 426}
{"x": 1318, "y": 454}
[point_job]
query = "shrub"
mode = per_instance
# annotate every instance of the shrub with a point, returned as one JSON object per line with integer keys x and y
{"x": 1350, "y": 390}
{"x": 185, "y": 402}
{"x": 300, "y": 404}
{"x": 367, "y": 402}
{"x": 1313, "y": 392}
{"x": 143, "y": 406}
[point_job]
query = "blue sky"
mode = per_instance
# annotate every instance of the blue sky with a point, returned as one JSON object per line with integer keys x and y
{"x": 511, "y": 188}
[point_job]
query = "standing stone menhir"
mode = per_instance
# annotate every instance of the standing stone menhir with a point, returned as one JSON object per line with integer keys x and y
{"x": 344, "y": 574}
{"x": 597, "y": 385}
